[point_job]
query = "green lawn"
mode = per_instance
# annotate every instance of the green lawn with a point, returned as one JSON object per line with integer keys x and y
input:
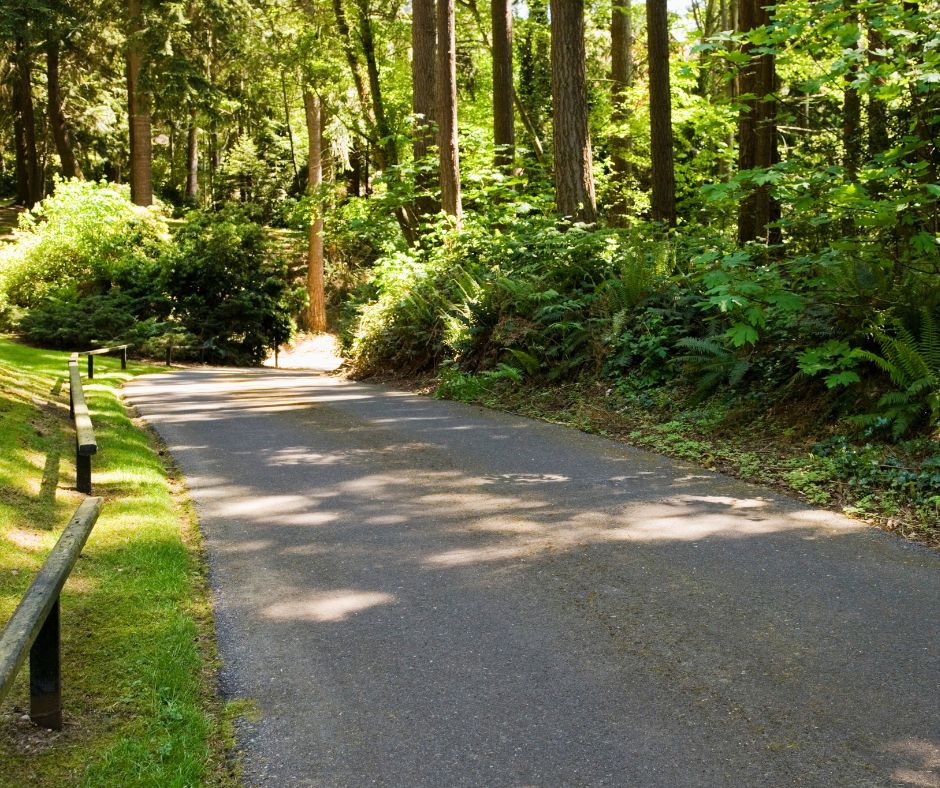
{"x": 138, "y": 649}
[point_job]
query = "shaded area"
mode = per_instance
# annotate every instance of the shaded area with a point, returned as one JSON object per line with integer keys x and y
{"x": 425, "y": 593}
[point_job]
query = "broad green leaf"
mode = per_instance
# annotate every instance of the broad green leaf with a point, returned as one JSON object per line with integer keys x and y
{"x": 741, "y": 333}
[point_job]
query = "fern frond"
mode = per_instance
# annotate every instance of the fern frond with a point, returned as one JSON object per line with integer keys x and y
{"x": 704, "y": 347}
{"x": 930, "y": 340}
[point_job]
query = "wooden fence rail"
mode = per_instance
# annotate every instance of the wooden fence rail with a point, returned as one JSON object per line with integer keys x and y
{"x": 34, "y": 628}
{"x": 85, "y": 443}
{"x": 116, "y": 350}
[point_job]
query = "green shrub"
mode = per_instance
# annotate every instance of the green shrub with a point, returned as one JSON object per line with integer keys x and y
{"x": 95, "y": 321}
{"x": 226, "y": 288}
{"x": 79, "y": 241}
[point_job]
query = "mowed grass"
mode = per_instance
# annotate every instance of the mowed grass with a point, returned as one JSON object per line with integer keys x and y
{"x": 137, "y": 650}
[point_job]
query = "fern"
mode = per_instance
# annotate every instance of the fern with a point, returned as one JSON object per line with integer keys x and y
{"x": 715, "y": 363}
{"x": 913, "y": 366}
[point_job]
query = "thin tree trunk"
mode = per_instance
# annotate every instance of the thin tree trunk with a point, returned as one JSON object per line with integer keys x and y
{"x": 192, "y": 160}
{"x": 57, "y": 121}
{"x": 524, "y": 115}
{"x": 351, "y": 58}
{"x": 290, "y": 134}
{"x": 877, "y": 111}
{"x": 707, "y": 27}
{"x": 663, "y": 198}
{"x": 138, "y": 110}
{"x": 504, "y": 133}
{"x": 447, "y": 109}
{"x": 316, "y": 310}
{"x": 28, "y": 177}
{"x": 851, "y": 111}
{"x": 424, "y": 100}
{"x": 757, "y": 132}
{"x": 574, "y": 180}
{"x": 388, "y": 147}
{"x": 621, "y": 79}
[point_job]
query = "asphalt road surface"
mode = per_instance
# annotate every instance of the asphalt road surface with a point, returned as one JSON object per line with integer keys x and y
{"x": 424, "y": 593}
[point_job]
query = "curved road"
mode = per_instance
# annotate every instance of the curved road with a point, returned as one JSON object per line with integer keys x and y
{"x": 423, "y": 593}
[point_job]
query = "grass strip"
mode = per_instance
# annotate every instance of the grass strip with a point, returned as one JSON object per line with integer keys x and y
{"x": 138, "y": 654}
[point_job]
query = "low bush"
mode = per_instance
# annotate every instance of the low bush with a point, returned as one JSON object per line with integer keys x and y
{"x": 226, "y": 289}
{"x": 83, "y": 239}
{"x": 89, "y": 268}
{"x": 642, "y": 307}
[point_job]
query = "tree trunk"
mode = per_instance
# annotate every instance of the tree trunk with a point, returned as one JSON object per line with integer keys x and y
{"x": 192, "y": 160}
{"x": 757, "y": 130}
{"x": 28, "y": 178}
{"x": 388, "y": 147}
{"x": 290, "y": 133}
{"x": 877, "y": 111}
{"x": 663, "y": 198}
{"x": 316, "y": 310}
{"x": 851, "y": 111}
{"x": 621, "y": 79}
{"x": 447, "y": 109}
{"x": 504, "y": 133}
{"x": 138, "y": 109}
{"x": 574, "y": 180}
{"x": 351, "y": 59}
{"x": 424, "y": 100}
{"x": 60, "y": 129}
{"x": 524, "y": 115}
{"x": 533, "y": 98}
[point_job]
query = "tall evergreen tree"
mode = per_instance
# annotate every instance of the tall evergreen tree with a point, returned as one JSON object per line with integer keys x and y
{"x": 663, "y": 198}
{"x": 316, "y": 309}
{"x": 621, "y": 80}
{"x": 138, "y": 109}
{"x": 504, "y": 135}
{"x": 757, "y": 126}
{"x": 447, "y": 109}
{"x": 424, "y": 98}
{"x": 61, "y": 133}
{"x": 574, "y": 179}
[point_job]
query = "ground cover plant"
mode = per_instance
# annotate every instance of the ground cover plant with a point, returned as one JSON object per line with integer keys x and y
{"x": 137, "y": 637}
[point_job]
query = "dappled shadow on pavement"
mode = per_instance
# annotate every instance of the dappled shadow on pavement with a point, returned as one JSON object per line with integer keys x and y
{"x": 410, "y": 586}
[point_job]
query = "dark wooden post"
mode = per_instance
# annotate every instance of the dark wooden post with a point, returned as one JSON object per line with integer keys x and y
{"x": 83, "y": 472}
{"x": 169, "y": 352}
{"x": 124, "y": 357}
{"x": 34, "y": 628}
{"x": 91, "y": 366}
{"x": 45, "y": 676}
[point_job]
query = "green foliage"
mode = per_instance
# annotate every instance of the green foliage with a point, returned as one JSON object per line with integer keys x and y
{"x": 913, "y": 365}
{"x": 473, "y": 387}
{"x": 713, "y": 363}
{"x": 907, "y": 476}
{"x": 226, "y": 289}
{"x": 81, "y": 240}
{"x": 836, "y": 358}
{"x": 94, "y": 321}
{"x": 96, "y": 270}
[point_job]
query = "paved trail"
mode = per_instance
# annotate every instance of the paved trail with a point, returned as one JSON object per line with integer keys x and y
{"x": 422, "y": 593}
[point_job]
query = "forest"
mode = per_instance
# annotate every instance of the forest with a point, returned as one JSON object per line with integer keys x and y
{"x": 716, "y": 223}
